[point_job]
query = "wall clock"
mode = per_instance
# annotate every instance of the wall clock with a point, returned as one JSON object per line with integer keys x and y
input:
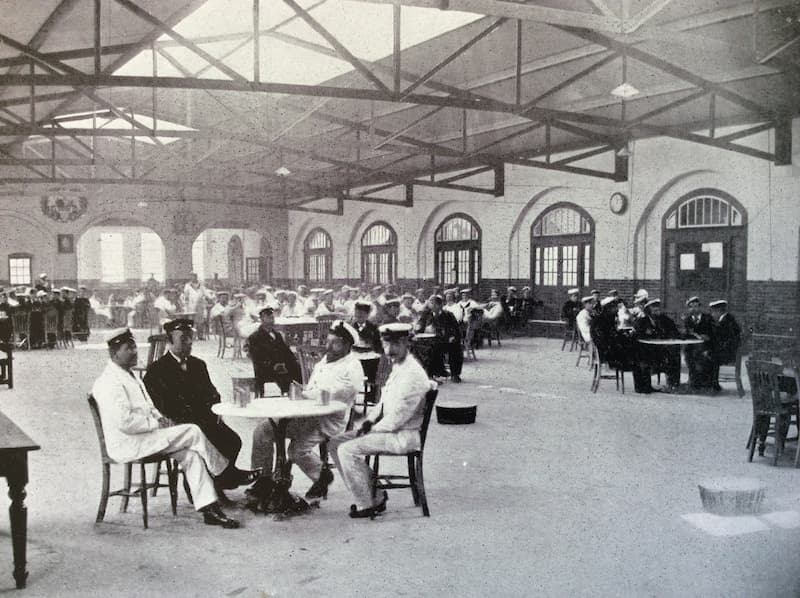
{"x": 618, "y": 203}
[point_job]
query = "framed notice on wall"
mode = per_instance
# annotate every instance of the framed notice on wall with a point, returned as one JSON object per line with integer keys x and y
{"x": 66, "y": 244}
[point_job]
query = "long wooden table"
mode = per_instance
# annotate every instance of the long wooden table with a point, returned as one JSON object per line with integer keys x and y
{"x": 14, "y": 448}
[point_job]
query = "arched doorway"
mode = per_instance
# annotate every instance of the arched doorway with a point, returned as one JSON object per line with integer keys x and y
{"x": 116, "y": 254}
{"x": 318, "y": 256}
{"x": 705, "y": 249}
{"x": 457, "y": 252}
{"x": 379, "y": 254}
{"x": 562, "y": 254}
{"x": 232, "y": 256}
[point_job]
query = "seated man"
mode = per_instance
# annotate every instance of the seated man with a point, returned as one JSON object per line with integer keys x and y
{"x": 448, "y": 339}
{"x": 698, "y": 357}
{"x": 182, "y": 390}
{"x": 273, "y": 360}
{"x": 340, "y": 374}
{"x": 368, "y": 335}
{"x": 134, "y": 428}
{"x": 571, "y": 308}
{"x": 652, "y": 324}
{"x": 584, "y": 318}
{"x": 393, "y": 425}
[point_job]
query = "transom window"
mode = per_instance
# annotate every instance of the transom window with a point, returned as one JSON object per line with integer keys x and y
{"x": 19, "y": 269}
{"x": 561, "y": 221}
{"x": 318, "y": 254}
{"x": 703, "y": 210}
{"x": 379, "y": 254}
{"x": 457, "y": 244}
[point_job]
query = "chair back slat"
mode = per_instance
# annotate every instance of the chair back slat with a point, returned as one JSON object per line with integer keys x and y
{"x": 430, "y": 399}
{"x": 158, "y": 346}
{"x": 98, "y": 425}
{"x": 764, "y": 386}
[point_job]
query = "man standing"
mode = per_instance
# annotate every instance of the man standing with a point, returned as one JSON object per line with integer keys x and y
{"x": 273, "y": 360}
{"x": 392, "y": 426}
{"x": 340, "y": 374}
{"x": 182, "y": 390}
{"x": 368, "y": 335}
{"x": 194, "y": 298}
{"x": 134, "y": 428}
{"x": 725, "y": 338}
{"x": 80, "y": 314}
{"x": 448, "y": 339}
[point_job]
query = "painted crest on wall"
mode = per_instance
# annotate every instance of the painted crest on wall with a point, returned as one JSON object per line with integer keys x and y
{"x": 64, "y": 205}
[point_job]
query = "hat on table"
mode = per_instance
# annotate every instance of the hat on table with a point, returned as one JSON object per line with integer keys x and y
{"x": 184, "y": 324}
{"x": 395, "y": 331}
{"x": 119, "y": 336}
{"x": 344, "y": 331}
{"x": 653, "y": 303}
{"x": 718, "y": 303}
{"x": 573, "y": 291}
{"x": 691, "y": 300}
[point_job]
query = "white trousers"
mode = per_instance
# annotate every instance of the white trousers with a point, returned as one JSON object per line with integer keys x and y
{"x": 348, "y": 452}
{"x": 199, "y": 460}
{"x": 305, "y": 438}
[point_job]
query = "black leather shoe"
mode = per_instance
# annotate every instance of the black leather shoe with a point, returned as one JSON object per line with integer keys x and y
{"x": 319, "y": 489}
{"x": 262, "y": 488}
{"x": 456, "y": 378}
{"x": 233, "y": 478}
{"x": 371, "y": 512}
{"x": 213, "y": 515}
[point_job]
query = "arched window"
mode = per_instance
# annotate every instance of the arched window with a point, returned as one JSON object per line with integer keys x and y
{"x": 235, "y": 261}
{"x": 457, "y": 258}
{"x": 318, "y": 254}
{"x": 379, "y": 254}
{"x": 562, "y": 249}
{"x": 703, "y": 209}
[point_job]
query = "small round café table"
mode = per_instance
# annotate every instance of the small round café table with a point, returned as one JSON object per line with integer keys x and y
{"x": 279, "y": 411}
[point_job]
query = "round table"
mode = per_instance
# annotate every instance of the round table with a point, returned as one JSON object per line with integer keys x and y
{"x": 279, "y": 411}
{"x": 671, "y": 342}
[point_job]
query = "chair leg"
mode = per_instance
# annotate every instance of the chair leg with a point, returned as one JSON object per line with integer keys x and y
{"x": 172, "y": 481}
{"x": 423, "y": 499}
{"x": 750, "y": 438}
{"x": 596, "y": 377}
{"x": 375, "y": 466}
{"x": 143, "y": 492}
{"x": 412, "y": 479}
{"x": 156, "y": 478}
{"x": 187, "y": 490}
{"x": 123, "y": 507}
{"x": 753, "y": 440}
{"x": 101, "y": 509}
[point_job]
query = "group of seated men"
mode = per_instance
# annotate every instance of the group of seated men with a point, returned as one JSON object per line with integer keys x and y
{"x": 171, "y": 411}
{"x": 616, "y": 331}
{"x": 38, "y": 303}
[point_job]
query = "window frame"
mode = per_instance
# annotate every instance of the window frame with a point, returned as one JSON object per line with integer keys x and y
{"x": 542, "y": 247}
{"x": 20, "y": 256}
{"x": 444, "y": 250}
{"x": 317, "y": 254}
{"x": 371, "y": 262}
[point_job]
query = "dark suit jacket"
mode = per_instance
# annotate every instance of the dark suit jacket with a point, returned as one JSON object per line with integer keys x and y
{"x": 725, "y": 339}
{"x": 704, "y": 326}
{"x": 266, "y": 352}
{"x": 444, "y": 325}
{"x": 569, "y": 311}
{"x": 184, "y": 397}
{"x": 369, "y": 335}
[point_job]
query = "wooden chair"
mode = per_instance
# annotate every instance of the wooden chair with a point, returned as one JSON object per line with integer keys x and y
{"x": 65, "y": 334}
{"x": 416, "y": 481}
{"x": 142, "y": 486}
{"x": 767, "y": 404}
{"x": 372, "y": 390}
{"x": 585, "y": 352}
{"x": 219, "y": 330}
{"x": 468, "y": 339}
{"x": 308, "y": 356}
{"x": 21, "y": 326}
{"x": 732, "y": 372}
{"x": 157, "y": 348}
{"x": 571, "y": 337}
{"x": 597, "y": 368}
{"x": 491, "y": 332}
{"x": 7, "y": 365}
{"x": 51, "y": 328}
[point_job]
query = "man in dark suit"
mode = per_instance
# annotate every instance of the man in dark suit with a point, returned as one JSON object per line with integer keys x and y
{"x": 448, "y": 339}
{"x": 182, "y": 390}
{"x": 698, "y": 357}
{"x": 725, "y": 338}
{"x": 369, "y": 337}
{"x": 273, "y": 360}
{"x": 571, "y": 308}
{"x": 650, "y": 326}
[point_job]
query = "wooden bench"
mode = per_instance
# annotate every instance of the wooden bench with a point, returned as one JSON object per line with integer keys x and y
{"x": 548, "y": 325}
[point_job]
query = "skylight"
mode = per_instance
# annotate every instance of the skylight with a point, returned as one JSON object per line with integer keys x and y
{"x": 106, "y": 120}
{"x": 364, "y": 29}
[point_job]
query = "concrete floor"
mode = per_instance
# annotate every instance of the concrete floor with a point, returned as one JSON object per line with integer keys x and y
{"x": 554, "y": 492}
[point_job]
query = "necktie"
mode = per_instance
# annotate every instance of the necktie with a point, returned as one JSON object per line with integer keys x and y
{"x": 184, "y": 365}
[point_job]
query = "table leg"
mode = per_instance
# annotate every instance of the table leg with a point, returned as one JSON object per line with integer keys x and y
{"x": 283, "y": 504}
{"x": 17, "y": 477}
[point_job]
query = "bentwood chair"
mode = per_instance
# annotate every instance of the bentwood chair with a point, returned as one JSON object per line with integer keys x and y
{"x": 468, "y": 339}
{"x": 51, "y": 329}
{"x": 219, "y": 330}
{"x": 415, "y": 478}
{"x": 157, "y": 347}
{"x": 21, "y": 325}
{"x": 767, "y": 405}
{"x": 571, "y": 337}
{"x": 142, "y": 486}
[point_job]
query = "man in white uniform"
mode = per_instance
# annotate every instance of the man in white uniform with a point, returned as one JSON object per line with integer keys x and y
{"x": 393, "y": 425}
{"x": 134, "y": 428}
{"x": 584, "y": 318}
{"x": 340, "y": 374}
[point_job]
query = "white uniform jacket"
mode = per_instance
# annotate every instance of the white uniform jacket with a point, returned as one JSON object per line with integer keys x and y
{"x": 344, "y": 379}
{"x": 402, "y": 403}
{"x": 128, "y": 415}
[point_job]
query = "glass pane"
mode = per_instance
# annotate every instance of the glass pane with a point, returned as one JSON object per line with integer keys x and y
{"x": 475, "y": 270}
{"x": 318, "y": 239}
{"x": 378, "y": 234}
{"x": 672, "y": 219}
{"x": 569, "y": 265}
{"x": 550, "y": 266}
{"x": 19, "y": 270}
{"x": 537, "y": 266}
{"x": 587, "y": 261}
{"x": 736, "y": 217}
{"x": 463, "y": 266}
{"x": 457, "y": 229}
